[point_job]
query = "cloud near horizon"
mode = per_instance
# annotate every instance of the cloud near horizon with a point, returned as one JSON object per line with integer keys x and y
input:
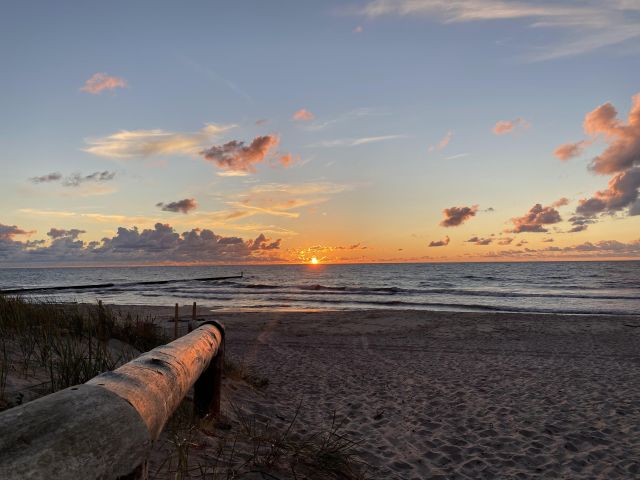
{"x": 600, "y": 249}
{"x": 455, "y": 216}
{"x": 99, "y": 82}
{"x": 61, "y": 232}
{"x": 480, "y": 241}
{"x": 128, "y": 144}
{"x": 184, "y": 206}
{"x": 159, "y": 244}
{"x": 502, "y": 127}
{"x": 440, "y": 243}
{"x": 7, "y": 232}
{"x": 536, "y": 218}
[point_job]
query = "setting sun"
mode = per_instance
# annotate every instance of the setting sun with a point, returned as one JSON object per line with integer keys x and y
{"x": 314, "y": 261}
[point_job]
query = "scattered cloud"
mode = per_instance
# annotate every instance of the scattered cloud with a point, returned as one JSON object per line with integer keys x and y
{"x": 237, "y": 157}
{"x": 232, "y": 173}
{"x": 442, "y": 144}
{"x": 282, "y": 200}
{"x": 73, "y": 233}
{"x": 570, "y": 150}
{"x": 480, "y": 241}
{"x": 561, "y": 202}
{"x": 355, "y": 142}
{"x": 184, "y": 206}
{"x": 358, "y": 29}
{"x": 286, "y": 160}
{"x": 303, "y": 115}
{"x": 623, "y": 151}
{"x": 622, "y": 139}
{"x": 578, "y": 228}
{"x": 621, "y": 158}
{"x": 440, "y": 243}
{"x": 49, "y": 177}
{"x": 622, "y": 192}
{"x": 505, "y": 241}
{"x": 457, "y": 155}
{"x": 455, "y": 216}
{"x": 354, "y": 114}
{"x": 75, "y": 179}
{"x": 586, "y": 26}
{"x": 7, "y": 232}
{"x": 99, "y": 82}
{"x": 535, "y": 219}
{"x": 503, "y": 127}
{"x": 128, "y": 144}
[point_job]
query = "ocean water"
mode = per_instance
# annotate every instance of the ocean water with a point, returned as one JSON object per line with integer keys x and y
{"x": 567, "y": 287}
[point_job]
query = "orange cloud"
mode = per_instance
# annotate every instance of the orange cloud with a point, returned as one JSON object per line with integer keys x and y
{"x": 286, "y": 160}
{"x": 623, "y": 139}
{"x": 560, "y": 202}
{"x": 444, "y": 141}
{"x": 568, "y": 151}
{"x": 100, "y": 82}
{"x": 535, "y": 219}
{"x": 303, "y": 115}
{"x": 503, "y": 127}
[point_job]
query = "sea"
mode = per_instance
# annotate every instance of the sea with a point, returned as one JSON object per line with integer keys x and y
{"x": 541, "y": 287}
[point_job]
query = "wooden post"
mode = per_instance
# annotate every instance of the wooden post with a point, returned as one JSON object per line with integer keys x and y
{"x": 175, "y": 322}
{"x": 192, "y": 323}
{"x": 207, "y": 389}
{"x": 102, "y": 321}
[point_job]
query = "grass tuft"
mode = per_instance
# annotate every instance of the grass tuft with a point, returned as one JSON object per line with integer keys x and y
{"x": 53, "y": 346}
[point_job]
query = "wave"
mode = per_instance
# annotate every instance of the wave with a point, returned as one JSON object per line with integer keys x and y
{"x": 317, "y": 289}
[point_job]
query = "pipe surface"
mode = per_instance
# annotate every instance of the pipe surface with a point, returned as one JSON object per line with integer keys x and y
{"x": 104, "y": 428}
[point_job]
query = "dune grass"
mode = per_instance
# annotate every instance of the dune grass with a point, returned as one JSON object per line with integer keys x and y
{"x": 242, "y": 445}
{"x": 52, "y": 346}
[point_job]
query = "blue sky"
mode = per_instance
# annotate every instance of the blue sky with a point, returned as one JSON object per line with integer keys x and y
{"x": 385, "y": 82}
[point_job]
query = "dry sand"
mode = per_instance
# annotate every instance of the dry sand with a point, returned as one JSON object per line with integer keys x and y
{"x": 453, "y": 395}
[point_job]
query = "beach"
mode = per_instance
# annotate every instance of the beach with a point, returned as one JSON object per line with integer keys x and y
{"x": 446, "y": 394}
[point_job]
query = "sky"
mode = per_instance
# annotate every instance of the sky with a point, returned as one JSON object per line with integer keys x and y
{"x": 155, "y": 132}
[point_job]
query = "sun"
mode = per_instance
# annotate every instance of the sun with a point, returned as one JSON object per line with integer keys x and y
{"x": 314, "y": 261}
